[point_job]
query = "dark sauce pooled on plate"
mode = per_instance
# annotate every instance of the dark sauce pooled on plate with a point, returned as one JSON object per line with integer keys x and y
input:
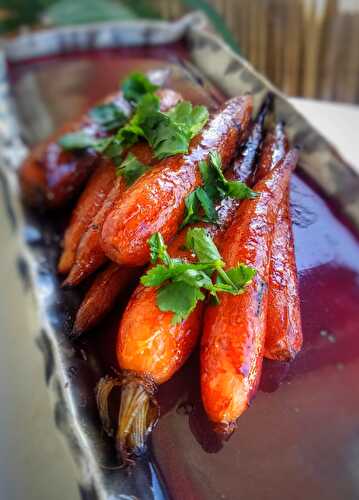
{"x": 300, "y": 438}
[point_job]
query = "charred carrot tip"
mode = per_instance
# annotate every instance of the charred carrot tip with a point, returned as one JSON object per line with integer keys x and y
{"x": 225, "y": 429}
{"x": 137, "y": 417}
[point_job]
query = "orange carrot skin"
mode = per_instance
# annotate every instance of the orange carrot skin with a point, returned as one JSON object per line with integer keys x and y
{"x": 50, "y": 176}
{"x": 90, "y": 255}
{"x": 284, "y": 338}
{"x": 156, "y": 202}
{"x": 89, "y": 203}
{"x": 234, "y": 331}
{"x": 101, "y": 296}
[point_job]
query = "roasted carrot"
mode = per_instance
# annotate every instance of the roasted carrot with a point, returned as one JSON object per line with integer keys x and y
{"x": 102, "y": 295}
{"x": 150, "y": 348}
{"x": 90, "y": 255}
{"x": 49, "y": 176}
{"x": 89, "y": 203}
{"x": 284, "y": 336}
{"x": 156, "y": 202}
{"x": 234, "y": 330}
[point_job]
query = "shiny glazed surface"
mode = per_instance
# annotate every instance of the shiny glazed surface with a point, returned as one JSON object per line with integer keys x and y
{"x": 234, "y": 330}
{"x": 300, "y": 438}
{"x": 156, "y": 201}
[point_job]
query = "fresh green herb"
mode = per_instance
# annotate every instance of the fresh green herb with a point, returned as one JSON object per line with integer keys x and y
{"x": 131, "y": 169}
{"x": 108, "y": 116}
{"x": 81, "y": 140}
{"x": 182, "y": 283}
{"x": 200, "y": 204}
{"x": 136, "y": 86}
{"x": 167, "y": 133}
{"x": 170, "y": 133}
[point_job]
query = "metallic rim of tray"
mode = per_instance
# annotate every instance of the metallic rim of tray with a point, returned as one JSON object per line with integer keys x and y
{"x": 231, "y": 74}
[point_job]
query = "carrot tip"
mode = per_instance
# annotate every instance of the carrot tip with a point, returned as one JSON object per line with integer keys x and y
{"x": 138, "y": 413}
{"x": 225, "y": 429}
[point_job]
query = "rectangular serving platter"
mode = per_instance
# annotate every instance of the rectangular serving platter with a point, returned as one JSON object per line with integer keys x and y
{"x": 300, "y": 437}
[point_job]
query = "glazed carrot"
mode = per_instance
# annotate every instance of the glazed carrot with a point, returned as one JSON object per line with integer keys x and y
{"x": 242, "y": 169}
{"x": 89, "y": 203}
{"x": 150, "y": 348}
{"x": 156, "y": 202}
{"x": 284, "y": 336}
{"x": 50, "y": 176}
{"x": 90, "y": 255}
{"x": 234, "y": 331}
{"x": 101, "y": 296}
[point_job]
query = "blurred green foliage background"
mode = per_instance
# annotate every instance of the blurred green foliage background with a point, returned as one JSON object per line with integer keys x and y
{"x": 17, "y": 14}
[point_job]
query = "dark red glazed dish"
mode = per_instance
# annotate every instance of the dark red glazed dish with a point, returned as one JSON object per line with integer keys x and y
{"x": 300, "y": 439}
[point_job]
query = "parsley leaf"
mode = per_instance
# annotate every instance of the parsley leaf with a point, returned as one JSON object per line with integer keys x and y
{"x": 131, "y": 169}
{"x": 200, "y": 204}
{"x": 179, "y": 298}
{"x": 108, "y": 116}
{"x": 182, "y": 283}
{"x": 136, "y": 85}
{"x": 203, "y": 246}
{"x": 158, "y": 249}
{"x": 81, "y": 140}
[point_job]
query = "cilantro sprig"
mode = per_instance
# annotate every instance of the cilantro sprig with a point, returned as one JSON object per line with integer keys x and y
{"x": 131, "y": 169}
{"x": 182, "y": 284}
{"x": 110, "y": 117}
{"x": 168, "y": 133}
{"x": 200, "y": 204}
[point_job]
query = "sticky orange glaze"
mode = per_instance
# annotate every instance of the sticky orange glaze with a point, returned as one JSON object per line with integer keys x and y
{"x": 90, "y": 255}
{"x": 49, "y": 176}
{"x": 233, "y": 337}
{"x": 135, "y": 332}
{"x": 284, "y": 338}
{"x": 89, "y": 203}
{"x": 101, "y": 295}
{"x": 156, "y": 201}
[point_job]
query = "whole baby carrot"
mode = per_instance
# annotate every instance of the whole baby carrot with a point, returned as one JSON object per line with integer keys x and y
{"x": 234, "y": 330}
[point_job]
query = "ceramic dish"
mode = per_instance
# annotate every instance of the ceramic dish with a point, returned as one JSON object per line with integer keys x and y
{"x": 300, "y": 438}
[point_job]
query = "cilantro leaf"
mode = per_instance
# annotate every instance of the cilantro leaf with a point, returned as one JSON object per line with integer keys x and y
{"x": 131, "y": 169}
{"x": 240, "y": 275}
{"x": 81, "y": 140}
{"x": 200, "y": 205}
{"x": 108, "y": 116}
{"x": 203, "y": 246}
{"x": 190, "y": 120}
{"x": 234, "y": 189}
{"x": 210, "y": 214}
{"x": 156, "y": 275}
{"x": 158, "y": 249}
{"x": 136, "y": 85}
{"x": 192, "y": 204}
{"x": 181, "y": 282}
{"x": 179, "y": 298}
{"x": 76, "y": 140}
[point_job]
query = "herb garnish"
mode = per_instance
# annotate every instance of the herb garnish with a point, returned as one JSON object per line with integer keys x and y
{"x": 131, "y": 169}
{"x": 200, "y": 203}
{"x": 168, "y": 133}
{"x": 182, "y": 284}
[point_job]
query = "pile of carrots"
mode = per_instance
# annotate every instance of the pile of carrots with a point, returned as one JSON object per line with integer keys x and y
{"x": 108, "y": 234}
